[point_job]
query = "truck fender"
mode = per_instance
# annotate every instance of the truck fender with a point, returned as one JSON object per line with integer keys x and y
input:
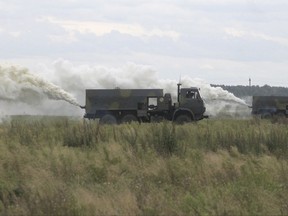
{"x": 182, "y": 110}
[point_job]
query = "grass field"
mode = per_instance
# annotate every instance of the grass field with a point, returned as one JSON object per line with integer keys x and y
{"x": 64, "y": 166}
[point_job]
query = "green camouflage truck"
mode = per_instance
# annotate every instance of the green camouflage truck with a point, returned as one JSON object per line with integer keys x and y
{"x": 113, "y": 106}
{"x": 268, "y": 106}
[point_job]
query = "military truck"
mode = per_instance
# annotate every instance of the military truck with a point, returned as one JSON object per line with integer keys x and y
{"x": 268, "y": 106}
{"x": 113, "y": 106}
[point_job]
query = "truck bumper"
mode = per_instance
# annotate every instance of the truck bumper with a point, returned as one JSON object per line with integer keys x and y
{"x": 89, "y": 116}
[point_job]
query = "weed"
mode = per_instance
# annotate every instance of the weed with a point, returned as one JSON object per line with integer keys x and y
{"x": 62, "y": 166}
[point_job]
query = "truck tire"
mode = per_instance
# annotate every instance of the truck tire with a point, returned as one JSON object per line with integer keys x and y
{"x": 108, "y": 119}
{"x": 129, "y": 118}
{"x": 281, "y": 115}
{"x": 158, "y": 119}
{"x": 266, "y": 115}
{"x": 182, "y": 119}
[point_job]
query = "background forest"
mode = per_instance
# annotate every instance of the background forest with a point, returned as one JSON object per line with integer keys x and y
{"x": 255, "y": 90}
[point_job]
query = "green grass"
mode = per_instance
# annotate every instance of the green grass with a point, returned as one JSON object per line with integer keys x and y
{"x": 63, "y": 166}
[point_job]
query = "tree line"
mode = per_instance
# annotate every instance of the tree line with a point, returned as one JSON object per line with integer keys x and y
{"x": 255, "y": 90}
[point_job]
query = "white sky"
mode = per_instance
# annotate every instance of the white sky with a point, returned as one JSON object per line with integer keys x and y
{"x": 219, "y": 41}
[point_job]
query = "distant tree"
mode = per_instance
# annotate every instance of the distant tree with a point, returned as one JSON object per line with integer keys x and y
{"x": 256, "y": 90}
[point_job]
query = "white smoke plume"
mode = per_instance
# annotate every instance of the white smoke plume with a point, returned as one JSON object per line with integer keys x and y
{"x": 77, "y": 79}
{"x": 17, "y": 83}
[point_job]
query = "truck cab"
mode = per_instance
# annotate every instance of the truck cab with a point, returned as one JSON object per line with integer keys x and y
{"x": 190, "y": 105}
{"x": 190, "y": 97}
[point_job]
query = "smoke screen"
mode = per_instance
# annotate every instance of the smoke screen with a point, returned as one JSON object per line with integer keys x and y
{"x": 59, "y": 89}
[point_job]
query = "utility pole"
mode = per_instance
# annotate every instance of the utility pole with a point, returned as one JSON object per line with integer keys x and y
{"x": 250, "y": 89}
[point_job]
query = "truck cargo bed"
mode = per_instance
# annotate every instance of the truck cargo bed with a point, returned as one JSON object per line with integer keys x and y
{"x": 115, "y": 99}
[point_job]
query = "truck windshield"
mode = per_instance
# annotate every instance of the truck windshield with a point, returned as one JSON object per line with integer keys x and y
{"x": 192, "y": 94}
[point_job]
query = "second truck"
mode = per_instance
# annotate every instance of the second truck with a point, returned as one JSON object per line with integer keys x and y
{"x": 268, "y": 106}
{"x": 113, "y": 106}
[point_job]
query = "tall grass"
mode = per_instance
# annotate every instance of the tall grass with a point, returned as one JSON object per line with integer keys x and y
{"x": 62, "y": 166}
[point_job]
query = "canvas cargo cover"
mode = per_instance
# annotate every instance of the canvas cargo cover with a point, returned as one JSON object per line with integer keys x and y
{"x": 117, "y": 99}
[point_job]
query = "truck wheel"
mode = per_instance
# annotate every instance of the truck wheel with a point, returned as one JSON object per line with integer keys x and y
{"x": 158, "y": 119}
{"x": 129, "y": 118}
{"x": 281, "y": 115}
{"x": 266, "y": 115}
{"x": 108, "y": 119}
{"x": 181, "y": 119}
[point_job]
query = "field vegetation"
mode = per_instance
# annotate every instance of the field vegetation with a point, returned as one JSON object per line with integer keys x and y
{"x": 64, "y": 166}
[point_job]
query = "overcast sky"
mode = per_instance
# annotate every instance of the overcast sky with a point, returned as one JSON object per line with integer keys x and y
{"x": 219, "y": 41}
